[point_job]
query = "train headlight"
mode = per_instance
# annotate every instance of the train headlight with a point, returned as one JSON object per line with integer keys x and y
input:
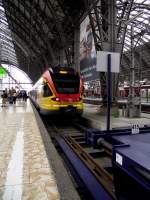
{"x": 55, "y": 99}
{"x": 63, "y": 72}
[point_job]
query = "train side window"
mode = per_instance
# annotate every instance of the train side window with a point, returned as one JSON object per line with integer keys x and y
{"x": 46, "y": 91}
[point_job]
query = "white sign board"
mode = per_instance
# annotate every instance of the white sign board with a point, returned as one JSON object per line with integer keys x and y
{"x": 102, "y": 60}
{"x": 119, "y": 159}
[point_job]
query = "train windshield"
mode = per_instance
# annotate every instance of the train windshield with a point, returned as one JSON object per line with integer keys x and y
{"x": 66, "y": 83}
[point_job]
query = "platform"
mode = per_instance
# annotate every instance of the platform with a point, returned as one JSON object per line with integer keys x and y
{"x": 25, "y": 172}
{"x": 96, "y": 120}
{"x": 29, "y": 163}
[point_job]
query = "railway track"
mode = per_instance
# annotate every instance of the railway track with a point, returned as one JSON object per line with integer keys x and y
{"x": 71, "y": 133}
{"x": 63, "y": 126}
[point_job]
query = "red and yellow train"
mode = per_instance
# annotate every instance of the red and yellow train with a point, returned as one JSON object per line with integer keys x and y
{"x": 59, "y": 90}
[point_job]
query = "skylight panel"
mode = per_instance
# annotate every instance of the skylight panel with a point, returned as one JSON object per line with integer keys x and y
{"x": 147, "y": 3}
{"x": 147, "y": 36}
{"x": 127, "y": 42}
{"x": 145, "y": 39}
{"x": 146, "y": 21}
{"x": 134, "y": 12}
{"x": 136, "y": 29}
{"x": 139, "y": 1}
{"x": 7, "y": 47}
{"x": 1, "y": 8}
{"x": 140, "y": 19}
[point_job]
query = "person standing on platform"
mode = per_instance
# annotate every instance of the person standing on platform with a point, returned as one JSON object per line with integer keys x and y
{"x": 24, "y": 96}
{"x": 4, "y": 98}
{"x": 14, "y": 97}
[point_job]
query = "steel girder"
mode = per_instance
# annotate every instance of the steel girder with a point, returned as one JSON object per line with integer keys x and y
{"x": 103, "y": 21}
{"x": 105, "y": 16}
{"x": 46, "y": 28}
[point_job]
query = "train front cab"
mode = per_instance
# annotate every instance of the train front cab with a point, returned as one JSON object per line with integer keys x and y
{"x": 49, "y": 101}
{"x": 52, "y": 104}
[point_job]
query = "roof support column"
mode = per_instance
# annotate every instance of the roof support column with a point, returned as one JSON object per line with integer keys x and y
{"x": 112, "y": 39}
{"x": 104, "y": 13}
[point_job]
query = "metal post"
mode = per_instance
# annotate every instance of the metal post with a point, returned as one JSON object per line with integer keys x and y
{"x": 132, "y": 72}
{"x": 131, "y": 88}
{"x": 1, "y": 80}
{"x": 9, "y": 77}
{"x": 109, "y": 86}
{"x": 146, "y": 95}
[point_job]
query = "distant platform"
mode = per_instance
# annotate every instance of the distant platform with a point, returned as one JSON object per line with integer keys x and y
{"x": 145, "y": 106}
{"x": 92, "y": 113}
{"x": 97, "y": 101}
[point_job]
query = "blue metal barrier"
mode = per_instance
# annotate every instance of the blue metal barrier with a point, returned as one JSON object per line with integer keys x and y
{"x": 131, "y": 160}
{"x": 131, "y": 166}
{"x": 92, "y": 135}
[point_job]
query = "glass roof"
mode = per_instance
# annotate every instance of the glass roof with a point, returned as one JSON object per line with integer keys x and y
{"x": 139, "y": 19}
{"x": 7, "y": 50}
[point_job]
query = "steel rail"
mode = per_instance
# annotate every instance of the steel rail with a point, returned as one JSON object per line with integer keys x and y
{"x": 101, "y": 174}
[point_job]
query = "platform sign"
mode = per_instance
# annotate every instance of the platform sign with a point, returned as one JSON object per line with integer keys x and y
{"x": 2, "y": 72}
{"x": 102, "y": 60}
